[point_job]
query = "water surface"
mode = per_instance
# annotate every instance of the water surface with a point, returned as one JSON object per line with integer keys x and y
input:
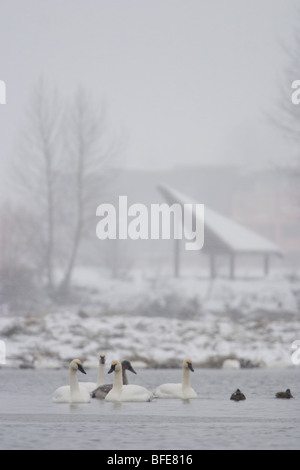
{"x": 29, "y": 419}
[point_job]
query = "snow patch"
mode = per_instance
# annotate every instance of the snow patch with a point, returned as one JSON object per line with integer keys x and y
{"x": 157, "y": 322}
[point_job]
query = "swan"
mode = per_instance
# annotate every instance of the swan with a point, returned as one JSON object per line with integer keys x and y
{"x": 178, "y": 390}
{"x": 102, "y": 391}
{"x": 120, "y": 392}
{"x": 90, "y": 386}
{"x": 73, "y": 393}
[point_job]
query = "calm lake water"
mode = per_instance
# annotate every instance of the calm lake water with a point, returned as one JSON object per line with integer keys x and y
{"x": 29, "y": 419}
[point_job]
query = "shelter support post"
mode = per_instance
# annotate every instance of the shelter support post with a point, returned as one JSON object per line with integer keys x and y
{"x": 266, "y": 264}
{"x": 232, "y": 265}
{"x": 212, "y": 265}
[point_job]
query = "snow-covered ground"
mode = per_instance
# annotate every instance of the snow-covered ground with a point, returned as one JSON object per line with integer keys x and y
{"x": 159, "y": 321}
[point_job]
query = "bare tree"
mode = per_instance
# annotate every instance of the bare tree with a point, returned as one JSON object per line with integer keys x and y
{"x": 62, "y": 171}
{"x": 37, "y": 169}
{"x": 286, "y": 115}
{"x": 90, "y": 156}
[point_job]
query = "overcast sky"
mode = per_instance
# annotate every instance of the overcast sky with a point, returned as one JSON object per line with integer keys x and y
{"x": 189, "y": 81}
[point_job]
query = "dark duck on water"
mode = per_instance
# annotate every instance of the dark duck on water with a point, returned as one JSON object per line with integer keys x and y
{"x": 238, "y": 396}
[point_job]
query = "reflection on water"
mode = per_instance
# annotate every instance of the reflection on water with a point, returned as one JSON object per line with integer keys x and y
{"x": 29, "y": 419}
{"x": 186, "y": 401}
{"x": 117, "y": 406}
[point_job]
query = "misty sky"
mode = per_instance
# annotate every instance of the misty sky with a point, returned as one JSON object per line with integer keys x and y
{"x": 188, "y": 81}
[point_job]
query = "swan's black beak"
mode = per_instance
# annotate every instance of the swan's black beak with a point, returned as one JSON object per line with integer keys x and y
{"x": 190, "y": 366}
{"x": 102, "y": 359}
{"x": 81, "y": 369}
{"x": 112, "y": 368}
{"x": 132, "y": 369}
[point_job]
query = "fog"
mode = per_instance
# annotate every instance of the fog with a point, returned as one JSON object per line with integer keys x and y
{"x": 107, "y": 99}
{"x": 188, "y": 82}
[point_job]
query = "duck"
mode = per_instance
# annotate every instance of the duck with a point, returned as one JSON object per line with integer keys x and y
{"x": 102, "y": 390}
{"x": 73, "y": 393}
{"x": 237, "y": 395}
{"x": 178, "y": 390}
{"x": 122, "y": 393}
{"x": 287, "y": 394}
{"x": 90, "y": 386}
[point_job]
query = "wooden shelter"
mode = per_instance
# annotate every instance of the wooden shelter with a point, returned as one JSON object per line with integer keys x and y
{"x": 223, "y": 236}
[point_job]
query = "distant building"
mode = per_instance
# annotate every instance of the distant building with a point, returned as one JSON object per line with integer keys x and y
{"x": 224, "y": 236}
{"x": 260, "y": 200}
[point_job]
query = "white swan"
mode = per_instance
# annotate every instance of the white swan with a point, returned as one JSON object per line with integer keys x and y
{"x": 90, "y": 386}
{"x": 178, "y": 390}
{"x": 120, "y": 392}
{"x": 73, "y": 393}
{"x": 102, "y": 390}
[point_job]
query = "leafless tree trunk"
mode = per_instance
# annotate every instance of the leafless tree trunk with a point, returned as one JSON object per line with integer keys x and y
{"x": 89, "y": 158}
{"x": 37, "y": 168}
{"x": 68, "y": 157}
{"x": 286, "y": 115}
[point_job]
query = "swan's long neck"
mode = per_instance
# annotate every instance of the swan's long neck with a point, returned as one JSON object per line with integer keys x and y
{"x": 74, "y": 387}
{"x": 124, "y": 377}
{"x": 186, "y": 378}
{"x": 118, "y": 381}
{"x": 101, "y": 369}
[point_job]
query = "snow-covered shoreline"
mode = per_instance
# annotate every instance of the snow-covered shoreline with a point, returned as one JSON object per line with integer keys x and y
{"x": 159, "y": 322}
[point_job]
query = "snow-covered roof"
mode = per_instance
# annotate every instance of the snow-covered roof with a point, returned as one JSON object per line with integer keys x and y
{"x": 221, "y": 233}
